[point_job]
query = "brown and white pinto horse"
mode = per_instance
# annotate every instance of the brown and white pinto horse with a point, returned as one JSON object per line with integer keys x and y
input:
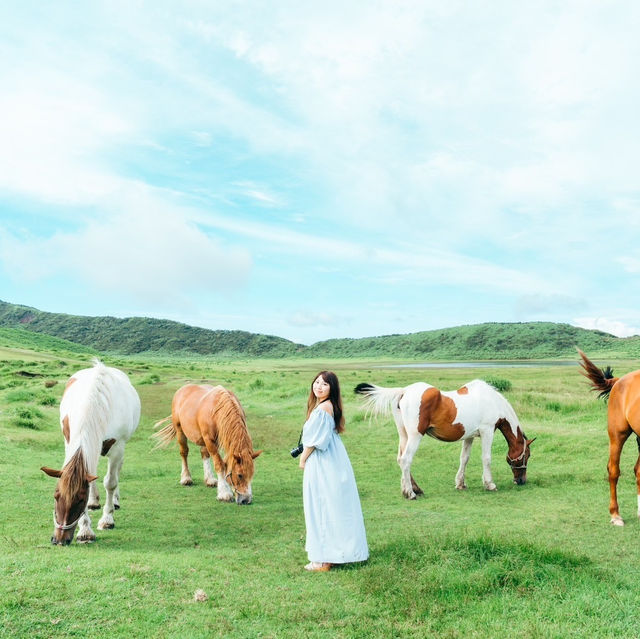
{"x": 474, "y": 410}
{"x": 99, "y": 412}
{"x": 212, "y": 418}
{"x": 623, "y": 418}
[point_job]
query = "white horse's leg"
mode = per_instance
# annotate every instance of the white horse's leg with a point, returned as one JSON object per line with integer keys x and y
{"x": 94, "y": 497}
{"x": 405, "y": 465}
{"x": 486, "y": 439}
{"x": 209, "y": 477}
{"x": 224, "y": 490}
{"x": 116, "y": 457}
{"x": 464, "y": 459}
{"x": 85, "y": 532}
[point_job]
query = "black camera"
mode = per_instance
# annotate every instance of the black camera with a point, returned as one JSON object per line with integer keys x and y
{"x": 297, "y": 450}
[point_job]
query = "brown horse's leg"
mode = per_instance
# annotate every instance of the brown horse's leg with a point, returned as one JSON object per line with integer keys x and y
{"x": 209, "y": 478}
{"x": 185, "y": 476}
{"x": 617, "y": 438}
{"x": 636, "y": 470}
{"x": 224, "y": 491}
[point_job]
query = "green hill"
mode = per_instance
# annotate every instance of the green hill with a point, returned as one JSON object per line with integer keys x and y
{"x": 141, "y": 334}
{"x": 492, "y": 341}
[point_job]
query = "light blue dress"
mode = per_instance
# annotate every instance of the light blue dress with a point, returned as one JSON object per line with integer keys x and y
{"x": 332, "y": 512}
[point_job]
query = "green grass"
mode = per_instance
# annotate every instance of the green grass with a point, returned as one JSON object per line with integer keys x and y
{"x": 540, "y": 560}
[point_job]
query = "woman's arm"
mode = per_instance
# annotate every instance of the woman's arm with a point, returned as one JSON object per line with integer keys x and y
{"x": 305, "y": 455}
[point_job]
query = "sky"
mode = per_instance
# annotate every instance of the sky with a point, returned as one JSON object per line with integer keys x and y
{"x": 318, "y": 170}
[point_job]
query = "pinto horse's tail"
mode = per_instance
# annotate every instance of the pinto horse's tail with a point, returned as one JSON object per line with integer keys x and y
{"x": 601, "y": 379}
{"x": 165, "y": 435}
{"x": 379, "y": 400}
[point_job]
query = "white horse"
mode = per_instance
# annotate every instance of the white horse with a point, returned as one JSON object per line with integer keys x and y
{"x": 99, "y": 412}
{"x": 474, "y": 410}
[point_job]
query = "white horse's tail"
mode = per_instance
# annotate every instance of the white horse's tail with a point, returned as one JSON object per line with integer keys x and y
{"x": 379, "y": 400}
{"x": 165, "y": 435}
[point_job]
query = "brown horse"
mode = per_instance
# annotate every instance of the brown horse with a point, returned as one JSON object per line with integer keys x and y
{"x": 623, "y": 419}
{"x": 212, "y": 418}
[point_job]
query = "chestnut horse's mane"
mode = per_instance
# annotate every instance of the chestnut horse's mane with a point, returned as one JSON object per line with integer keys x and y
{"x": 231, "y": 423}
{"x": 73, "y": 477}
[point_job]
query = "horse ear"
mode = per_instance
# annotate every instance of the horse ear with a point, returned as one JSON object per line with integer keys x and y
{"x": 530, "y": 441}
{"x": 91, "y": 478}
{"x": 51, "y": 472}
{"x": 255, "y": 454}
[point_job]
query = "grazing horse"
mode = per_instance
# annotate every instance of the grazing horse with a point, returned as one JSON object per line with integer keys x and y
{"x": 474, "y": 410}
{"x": 623, "y": 418}
{"x": 212, "y": 418}
{"x": 99, "y": 412}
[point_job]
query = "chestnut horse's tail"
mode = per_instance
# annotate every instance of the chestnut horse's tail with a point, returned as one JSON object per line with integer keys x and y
{"x": 601, "y": 379}
{"x": 164, "y": 435}
{"x": 379, "y": 400}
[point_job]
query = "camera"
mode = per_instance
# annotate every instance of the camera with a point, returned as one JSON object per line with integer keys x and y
{"x": 297, "y": 450}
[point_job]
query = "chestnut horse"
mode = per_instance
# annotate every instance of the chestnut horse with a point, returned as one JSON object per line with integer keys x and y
{"x": 212, "y": 418}
{"x": 474, "y": 410}
{"x": 623, "y": 418}
{"x": 99, "y": 412}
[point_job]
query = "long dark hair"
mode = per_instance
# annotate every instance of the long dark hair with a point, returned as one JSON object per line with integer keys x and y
{"x": 334, "y": 397}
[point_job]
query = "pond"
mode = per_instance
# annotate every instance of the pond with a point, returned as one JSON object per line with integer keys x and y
{"x": 500, "y": 364}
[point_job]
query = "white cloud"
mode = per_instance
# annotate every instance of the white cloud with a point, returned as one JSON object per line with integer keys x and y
{"x": 614, "y": 327}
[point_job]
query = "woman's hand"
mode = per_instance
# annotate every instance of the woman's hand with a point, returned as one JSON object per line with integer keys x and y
{"x": 302, "y": 461}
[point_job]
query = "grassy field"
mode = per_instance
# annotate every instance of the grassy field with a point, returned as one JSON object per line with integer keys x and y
{"x": 540, "y": 560}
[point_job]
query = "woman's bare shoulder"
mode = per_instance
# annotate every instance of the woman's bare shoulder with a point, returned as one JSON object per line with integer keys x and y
{"x": 327, "y": 407}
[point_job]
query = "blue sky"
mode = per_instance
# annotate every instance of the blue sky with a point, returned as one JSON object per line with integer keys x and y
{"x": 318, "y": 170}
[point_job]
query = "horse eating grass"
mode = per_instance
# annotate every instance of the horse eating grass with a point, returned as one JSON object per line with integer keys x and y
{"x": 623, "y": 418}
{"x": 212, "y": 418}
{"x": 474, "y": 410}
{"x": 99, "y": 412}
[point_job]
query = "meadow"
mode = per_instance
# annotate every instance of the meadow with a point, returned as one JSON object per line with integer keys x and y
{"x": 539, "y": 560}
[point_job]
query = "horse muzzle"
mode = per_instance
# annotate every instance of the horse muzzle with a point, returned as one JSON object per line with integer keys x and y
{"x": 243, "y": 499}
{"x": 520, "y": 481}
{"x": 60, "y": 542}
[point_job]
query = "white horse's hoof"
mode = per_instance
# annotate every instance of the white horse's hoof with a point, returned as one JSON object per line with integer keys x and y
{"x": 106, "y": 525}
{"x": 461, "y": 487}
{"x": 224, "y": 497}
{"x": 212, "y": 484}
{"x": 187, "y": 482}
{"x": 617, "y": 521}
{"x": 492, "y": 487}
{"x": 409, "y": 495}
{"x": 95, "y": 506}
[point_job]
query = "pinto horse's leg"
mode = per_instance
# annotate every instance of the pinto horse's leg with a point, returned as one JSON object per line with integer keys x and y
{"x": 209, "y": 477}
{"x": 464, "y": 460}
{"x": 115, "y": 457}
{"x": 94, "y": 497}
{"x": 224, "y": 490}
{"x": 85, "y": 532}
{"x": 617, "y": 438}
{"x": 185, "y": 475}
{"x": 407, "y": 483}
{"x": 486, "y": 441}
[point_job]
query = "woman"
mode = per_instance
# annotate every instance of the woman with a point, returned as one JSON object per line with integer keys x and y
{"x": 332, "y": 513}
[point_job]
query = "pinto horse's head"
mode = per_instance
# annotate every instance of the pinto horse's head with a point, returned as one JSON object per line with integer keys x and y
{"x": 519, "y": 463}
{"x": 71, "y": 497}
{"x": 239, "y": 473}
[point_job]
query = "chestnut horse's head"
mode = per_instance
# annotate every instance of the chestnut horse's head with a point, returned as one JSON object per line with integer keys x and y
{"x": 519, "y": 462}
{"x": 71, "y": 497}
{"x": 239, "y": 473}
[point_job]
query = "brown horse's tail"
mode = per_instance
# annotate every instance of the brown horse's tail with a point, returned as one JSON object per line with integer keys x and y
{"x": 165, "y": 435}
{"x": 601, "y": 379}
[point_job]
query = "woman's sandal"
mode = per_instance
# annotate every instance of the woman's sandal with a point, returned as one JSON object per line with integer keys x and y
{"x": 317, "y": 567}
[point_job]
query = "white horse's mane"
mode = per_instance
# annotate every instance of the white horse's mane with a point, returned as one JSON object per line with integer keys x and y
{"x": 88, "y": 417}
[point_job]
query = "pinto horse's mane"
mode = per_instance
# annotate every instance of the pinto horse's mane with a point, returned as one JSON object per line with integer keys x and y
{"x": 229, "y": 417}
{"x": 73, "y": 477}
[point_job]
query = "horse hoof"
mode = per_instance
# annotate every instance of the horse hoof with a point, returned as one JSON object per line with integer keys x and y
{"x": 492, "y": 488}
{"x": 227, "y": 498}
{"x": 186, "y": 482}
{"x": 116, "y": 506}
{"x": 212, "y": 484}
{"x": 106, "y": 525}
{"x": 617, "y": 521}
{"x": 410, "y": 495}
{"x": 462, "y": 487}
{"x": 85, "y": 539}
{"x": 93, "y": 506}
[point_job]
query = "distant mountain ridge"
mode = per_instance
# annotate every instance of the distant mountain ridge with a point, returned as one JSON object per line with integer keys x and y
{"x": 489, "y": 341}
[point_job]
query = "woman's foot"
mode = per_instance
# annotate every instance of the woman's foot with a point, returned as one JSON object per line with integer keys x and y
{"x": 314, "y": 566}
